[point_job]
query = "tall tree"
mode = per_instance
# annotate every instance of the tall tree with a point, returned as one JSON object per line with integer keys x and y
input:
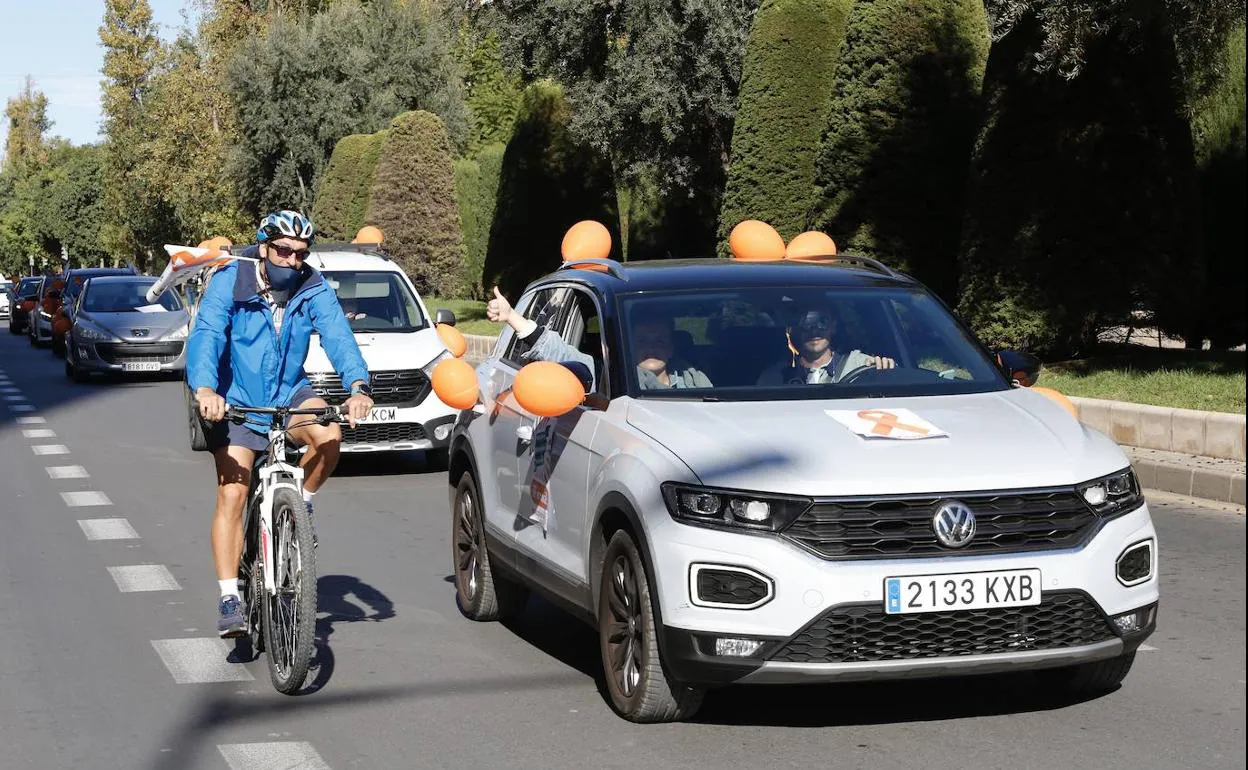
{"x": 785, "y": 91}
{"x": 26, "y": 118}
{"x": 903, "y": 113}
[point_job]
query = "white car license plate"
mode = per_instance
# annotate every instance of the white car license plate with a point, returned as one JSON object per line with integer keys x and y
{"x": 141, "y": 366}
{"x": 383, "y": 414}
{"x": 961, "y": 591}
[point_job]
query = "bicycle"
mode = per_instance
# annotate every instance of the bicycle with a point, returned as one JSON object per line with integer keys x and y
{"x": 278, "y": 565}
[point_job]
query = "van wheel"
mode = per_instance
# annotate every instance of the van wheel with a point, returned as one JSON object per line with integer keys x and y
{"x": 640, "y": 689}
{"x": 1091, "y": 678}
{"x": 480, "y": 592}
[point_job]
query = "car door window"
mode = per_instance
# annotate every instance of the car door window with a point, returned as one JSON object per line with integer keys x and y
{"x": 546, "y": 308}
{"x": 582, "y": 329}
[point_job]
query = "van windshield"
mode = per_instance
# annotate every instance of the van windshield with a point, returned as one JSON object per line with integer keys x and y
{"x": 376, "y": 301}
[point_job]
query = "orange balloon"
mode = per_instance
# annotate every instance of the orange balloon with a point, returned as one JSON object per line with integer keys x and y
{"x": 220, "y": 242}
{"x": 455, "y": 382}
{"x": 369, "y": 234}
{"x": 755, "y": 241}
{"x": 1061, "y": 400}
{"x": 453, "y": 339}
{"x": 60, "y": 326}
{"x": 586, "y": 239}
{"x": 547, "y": 389}
{"x": 810, "y": 246}
{"x": 205, "y": 244}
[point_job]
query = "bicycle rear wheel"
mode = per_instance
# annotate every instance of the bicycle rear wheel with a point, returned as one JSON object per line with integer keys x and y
{"x": 289, "y": 612}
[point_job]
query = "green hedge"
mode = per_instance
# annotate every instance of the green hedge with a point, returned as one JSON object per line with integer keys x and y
{"x": 476, "y": 193}
{"x": 905, "y": 105}
{"x": 786, "y": 86}
{"x": 345, "y": 186}
{"x": 1080, "y": 206}
{"x": 413, "y": 202}
{"x": 547, "y": 184}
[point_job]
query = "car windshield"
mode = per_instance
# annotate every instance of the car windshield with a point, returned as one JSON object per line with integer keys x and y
{"x": 28, "y": 288}
{"x": 126, "y": 297}
{"x": 800, "y": 343}
{"x": 376, "y": 301}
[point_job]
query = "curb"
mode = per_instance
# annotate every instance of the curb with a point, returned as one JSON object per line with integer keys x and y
{"x": 1220, "y": 481}
{"x": 479, "y": 346}
{"x": 1184, "y": 431}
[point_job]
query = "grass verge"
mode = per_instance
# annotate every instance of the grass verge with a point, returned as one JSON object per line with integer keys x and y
{"x": 469, "y": 315}
{"x": 1186, "y": 379}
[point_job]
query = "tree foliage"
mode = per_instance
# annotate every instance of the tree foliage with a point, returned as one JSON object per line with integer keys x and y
{"x": 789, "y": 63}
{"x": 312, "y": 79}
{"x": 346, "y": 185}
{"x": 413, "y": 202}
{"x": 548, "y": 183}
{"x": 476, "y": 194}
{"x": 492, "y": 93}
{"x": 26, "y": 121}
{"x": 903, "y": 114}
{"x": 1081, "y": 201}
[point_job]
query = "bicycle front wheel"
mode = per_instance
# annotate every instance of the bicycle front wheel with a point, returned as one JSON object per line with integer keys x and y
{"x": 289, "y": 612}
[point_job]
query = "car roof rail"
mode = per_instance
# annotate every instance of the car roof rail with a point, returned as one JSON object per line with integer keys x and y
{"x": 608, "y": 266}
{"x": 370, "y": 249}
{"x": 867, "y": 262}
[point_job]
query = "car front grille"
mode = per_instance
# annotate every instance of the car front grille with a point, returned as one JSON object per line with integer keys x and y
{"x": 139, "y": 352}
{"x": 401, "y": 387}
{"x": 898, "y": 527}
{"x": 865, "y": 633}
{"x": 383, "y": 433}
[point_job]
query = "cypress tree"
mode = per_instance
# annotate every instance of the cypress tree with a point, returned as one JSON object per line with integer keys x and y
{"x": 786, "y": 88}
{"x": 476, "y": 191}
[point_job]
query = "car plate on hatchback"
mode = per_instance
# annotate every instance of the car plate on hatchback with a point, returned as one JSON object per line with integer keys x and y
{"x": 961, "y": 591}
{"x": 141, "y": 366}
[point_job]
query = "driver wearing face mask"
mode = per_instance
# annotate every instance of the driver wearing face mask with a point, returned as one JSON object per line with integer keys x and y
{"x": 813, "y": 360}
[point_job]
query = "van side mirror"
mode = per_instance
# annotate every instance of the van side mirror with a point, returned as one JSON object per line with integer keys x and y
{"x": 444, "y": 316}
{"x": 1020, "y": 366}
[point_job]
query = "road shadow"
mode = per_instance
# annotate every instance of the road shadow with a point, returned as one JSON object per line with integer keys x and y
{"x": 356, "y": 464}
{"x": 341, "y": 599}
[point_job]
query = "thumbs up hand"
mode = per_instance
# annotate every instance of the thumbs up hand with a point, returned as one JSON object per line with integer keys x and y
{"x": 499, "y": 309}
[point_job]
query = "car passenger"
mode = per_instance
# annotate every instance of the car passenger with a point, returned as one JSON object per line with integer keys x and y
{"x": 813, "y": 360}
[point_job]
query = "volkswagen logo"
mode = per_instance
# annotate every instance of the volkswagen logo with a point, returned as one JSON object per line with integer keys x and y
{"x": 954, "y": 524}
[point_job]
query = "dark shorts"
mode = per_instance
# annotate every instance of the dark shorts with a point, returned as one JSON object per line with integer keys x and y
{"x": 226, "y": 433}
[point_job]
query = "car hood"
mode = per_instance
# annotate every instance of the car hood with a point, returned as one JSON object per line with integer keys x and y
{"x": 383, "y": 352}
{"x": 124, "y": 325}
{"x": 1007, "y": 440}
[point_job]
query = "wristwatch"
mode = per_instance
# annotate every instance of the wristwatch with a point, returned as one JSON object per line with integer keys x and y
{"x": 359, "y": 388}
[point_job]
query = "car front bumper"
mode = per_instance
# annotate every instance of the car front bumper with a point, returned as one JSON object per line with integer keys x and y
{"x": 424, "y": 426}
{"x": 113, "y": 357}
{"x": 824, "y": 620}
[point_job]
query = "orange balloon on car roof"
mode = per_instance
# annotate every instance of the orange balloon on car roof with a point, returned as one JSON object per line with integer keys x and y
{"x": 586, "y": 239}
{"x": 755, "y": 241}
{"x": 810, "y": 246}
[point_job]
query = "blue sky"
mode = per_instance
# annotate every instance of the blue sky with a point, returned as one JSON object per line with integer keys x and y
{"x": 57, "y": 43}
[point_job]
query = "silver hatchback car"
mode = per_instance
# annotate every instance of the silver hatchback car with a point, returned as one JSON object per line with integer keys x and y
{"x": 117, "y": 331}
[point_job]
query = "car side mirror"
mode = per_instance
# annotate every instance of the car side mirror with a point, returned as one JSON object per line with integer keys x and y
{"x": 444, "y": 316}
{"x": 1019, "y": 366}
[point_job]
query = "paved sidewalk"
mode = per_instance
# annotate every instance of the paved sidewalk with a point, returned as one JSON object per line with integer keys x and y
{"x": 1207, "y": 478}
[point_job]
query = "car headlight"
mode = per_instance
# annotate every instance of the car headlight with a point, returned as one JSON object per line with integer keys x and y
{"x": 44, "y": 314}
{"x": 1112, "y": 495}
{"x": 92, "y": 334}
{"x": 429, "y": 367}
{"x": 732, "y": 509}
{"x": 178, "y": 333}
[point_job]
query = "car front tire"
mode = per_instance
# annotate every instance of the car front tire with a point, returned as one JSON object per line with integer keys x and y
{"x": 639, "y": 687}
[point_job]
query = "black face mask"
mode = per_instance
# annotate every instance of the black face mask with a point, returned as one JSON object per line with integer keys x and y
{"x": 282, "y": 280}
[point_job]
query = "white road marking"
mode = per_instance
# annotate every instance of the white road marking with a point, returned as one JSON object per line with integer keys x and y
{"x": 280, "y": 755}
{"x": 144, "y": 577}
{"x": 85, "y": 499}
{"x": 1148, "y": 648}
{"x": 195, "y": 661}
{"x": 67, "y": 472}
{"x": 21, "y": 408}
{"x": 32, "y": 420}
{"x": 11, "y": 390}
{"x": 107, "y": 529}
{"x": 39, "y": 433}
{"x": 50, "y": 449}
{"x": 14, "y": 398}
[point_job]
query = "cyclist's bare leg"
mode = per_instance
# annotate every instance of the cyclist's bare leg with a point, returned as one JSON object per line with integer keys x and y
{"x": 234, "y": 465}
{"x": 322, "y": 442}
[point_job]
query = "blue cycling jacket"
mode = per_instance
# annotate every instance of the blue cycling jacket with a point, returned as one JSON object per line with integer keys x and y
{"x": 235, "y": 350}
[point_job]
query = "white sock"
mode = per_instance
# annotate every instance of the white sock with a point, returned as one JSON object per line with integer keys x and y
{"x": 307, "y": 496}
{"x": 228, "y": 587}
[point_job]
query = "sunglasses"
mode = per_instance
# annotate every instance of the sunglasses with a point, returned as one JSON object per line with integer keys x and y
{"x": 285, "y": 252}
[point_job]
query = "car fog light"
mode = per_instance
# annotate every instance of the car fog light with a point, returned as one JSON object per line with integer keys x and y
{"x": 442, "y": 431}
{"x": 1135, "y": 564}
{"x": 737, "y": 648}
{"x": 1136, "y": 620}
{"x": 83, "y": 352}
{"x": 750, "y": 510}
{"x": 1095, "y": 495}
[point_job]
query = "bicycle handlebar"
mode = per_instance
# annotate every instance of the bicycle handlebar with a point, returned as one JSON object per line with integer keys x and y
{"x": 324, "y": 415}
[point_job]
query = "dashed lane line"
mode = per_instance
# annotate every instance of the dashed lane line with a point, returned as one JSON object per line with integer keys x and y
{"x": 197, "y": 661}
{"x": 32, "y": 420}
{"x": 281, "y": 755}
{"x": 144, "y": 577}
{"x": 50, "y": 449}
{"x": 85, "y": 499}
{"x": 107, "y": 529}
{"x": 67, "y": 472}
{"x": 21, "y": 408}
{"x": 39, "y": 433}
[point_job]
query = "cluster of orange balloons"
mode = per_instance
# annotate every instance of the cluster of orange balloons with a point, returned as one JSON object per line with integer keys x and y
{"x": 755, "y": 241}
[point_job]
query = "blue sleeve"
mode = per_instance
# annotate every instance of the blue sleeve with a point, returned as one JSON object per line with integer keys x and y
{"x": 337, "y": 338}
{"x": 207, "y": 341}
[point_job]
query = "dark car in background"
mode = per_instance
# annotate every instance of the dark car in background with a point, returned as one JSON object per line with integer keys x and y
{"x": 117, "y": 331}
{"x": 63, "y": 315}
{"x": 21, "y": 302}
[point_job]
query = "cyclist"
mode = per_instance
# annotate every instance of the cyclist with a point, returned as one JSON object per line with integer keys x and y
{"x": 813, "y": 360}
{"x": 251, "y": 337}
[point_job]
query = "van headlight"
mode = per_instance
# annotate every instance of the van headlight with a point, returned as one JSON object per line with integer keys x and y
{"x": 1112, "y": 495}
{"x": 439, "y": 358}
{"x": 732, "y": 509}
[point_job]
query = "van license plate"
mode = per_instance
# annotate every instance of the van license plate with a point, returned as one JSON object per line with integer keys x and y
{"x": 961, "y": 591}
{"x": 384, "y": 414}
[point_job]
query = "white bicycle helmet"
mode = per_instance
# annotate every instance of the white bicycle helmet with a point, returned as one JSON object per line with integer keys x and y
{"x": 286, "y": 224}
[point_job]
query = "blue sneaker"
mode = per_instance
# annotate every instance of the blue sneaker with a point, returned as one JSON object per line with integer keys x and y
{"x": 232, "y": 623}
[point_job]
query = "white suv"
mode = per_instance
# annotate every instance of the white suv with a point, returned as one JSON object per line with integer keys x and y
{"x": 400, "y": 345}
{"x": 788, "y": 523}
